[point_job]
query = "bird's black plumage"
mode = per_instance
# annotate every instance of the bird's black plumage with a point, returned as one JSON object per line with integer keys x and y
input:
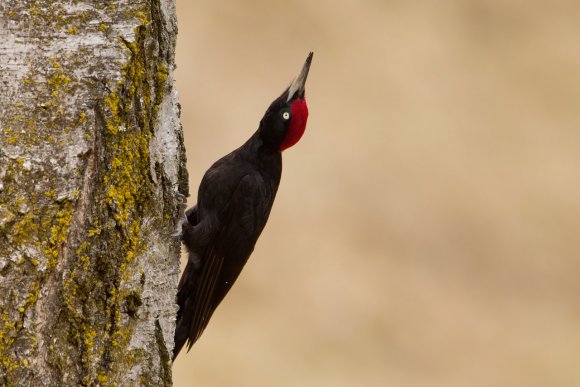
{"x": 233, "y": 205}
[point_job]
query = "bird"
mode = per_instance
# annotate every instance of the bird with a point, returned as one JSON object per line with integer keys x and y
{"x": 234, "y": 200}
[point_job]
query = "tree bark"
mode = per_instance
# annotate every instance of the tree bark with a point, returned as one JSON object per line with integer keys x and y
{"x": 91, "y": 160}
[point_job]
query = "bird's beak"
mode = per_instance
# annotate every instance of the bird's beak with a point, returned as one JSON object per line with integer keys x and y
{"x": 296, "y": 89}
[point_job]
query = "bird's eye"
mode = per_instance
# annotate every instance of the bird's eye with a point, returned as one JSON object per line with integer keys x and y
{"x": 286, "y": 115}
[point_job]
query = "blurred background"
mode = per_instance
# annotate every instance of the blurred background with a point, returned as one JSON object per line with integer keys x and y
{"x": 427, "y": 227}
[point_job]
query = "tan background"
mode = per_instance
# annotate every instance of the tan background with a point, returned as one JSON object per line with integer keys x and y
{"x": 427, "y": 228}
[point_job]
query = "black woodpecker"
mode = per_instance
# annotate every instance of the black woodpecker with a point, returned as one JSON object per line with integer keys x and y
{"x": 233, "y": 204}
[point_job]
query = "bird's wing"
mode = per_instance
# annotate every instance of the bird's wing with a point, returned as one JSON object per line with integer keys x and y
{"x": 243, "y": 220}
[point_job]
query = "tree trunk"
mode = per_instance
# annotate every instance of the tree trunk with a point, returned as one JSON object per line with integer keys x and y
{"x": 91, "y": 159}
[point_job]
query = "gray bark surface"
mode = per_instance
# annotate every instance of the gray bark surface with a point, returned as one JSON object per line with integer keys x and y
{"x": 91, "y": 160}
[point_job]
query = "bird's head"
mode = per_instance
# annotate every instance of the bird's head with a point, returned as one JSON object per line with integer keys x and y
{"x": 284, "y": 122}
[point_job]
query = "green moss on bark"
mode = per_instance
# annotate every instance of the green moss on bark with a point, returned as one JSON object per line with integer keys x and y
{"x": 125, "y": 188}
{"x": 74, "y": 247}
{"x": 36, "y": 219}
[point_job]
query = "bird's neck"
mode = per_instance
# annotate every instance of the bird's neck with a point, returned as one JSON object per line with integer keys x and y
{"x": 266, "y": 158}
{"x": 259, "y": 146}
